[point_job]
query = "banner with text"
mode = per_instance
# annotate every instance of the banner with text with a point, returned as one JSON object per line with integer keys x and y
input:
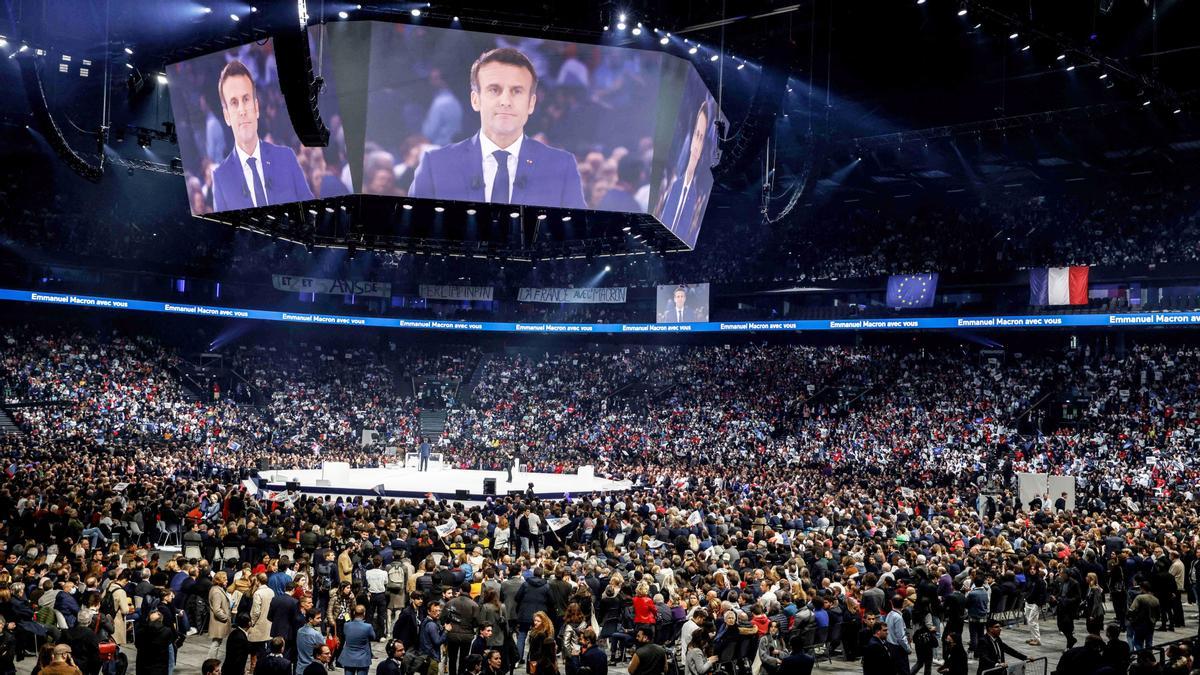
{"x": 376, "y": 289}
{"x": 576, "y": 296}
{"x": 438, "y": 292}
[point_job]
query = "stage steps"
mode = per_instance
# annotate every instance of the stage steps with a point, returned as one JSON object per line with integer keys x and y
{"x": 433, "y": 423}
{"x": 466, "y": 392}
{"x": 7, "y": 426}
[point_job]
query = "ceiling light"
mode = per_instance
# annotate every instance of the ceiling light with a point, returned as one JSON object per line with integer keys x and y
{"x": 621, "y": 25}
{"x": 235, "y": 18}
{"x": 962, "y": 12}
{"x": 1025, "y": 48}
{"x": 1070, "y": 68}
{"x": 622, "y": 17}
{"x": 415, "y": 12}
{"x": 1145, "y": 103}
{"x": 626, "y": 228}
{"x": 1176, "y": 111}
{"x": 692, "y": 50}
{"x": 129, "y": 51}
{"x": 541, "y": 216}
{"x": 1014, "y": 36}
{"x": 741, "y": 65}
{"x": 162, "y": 78}
{"x": 127, "y": 65}
{"x": 206, "y": 10}
{"x": 439, "y": 209}
{"x": 637, "y": 31}
{"x": 567, "y": 219}
{"x": 471, "y": 212}
{"x": 663, "y": 41}
{"x": 714, "y": 57}
{"x": 343, "y": 15}
{"x": 408, "y": 207}
{"x": 1061, "y": 57}
{"x": 1103, "y": 76}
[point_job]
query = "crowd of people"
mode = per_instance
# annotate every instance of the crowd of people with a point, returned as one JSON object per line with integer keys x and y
{"x": 788, "y": 502}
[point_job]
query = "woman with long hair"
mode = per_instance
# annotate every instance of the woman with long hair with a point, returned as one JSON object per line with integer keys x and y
{"x": 541, "y": 660}
{"x": 573, "y": 625}
{"x": 645, "y": 612}
{"x": 493, "y": 613}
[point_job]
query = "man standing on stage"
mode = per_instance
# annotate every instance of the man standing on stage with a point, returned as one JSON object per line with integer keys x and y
{"x": 423, "y": 451}
{"x": 511, "y": 463}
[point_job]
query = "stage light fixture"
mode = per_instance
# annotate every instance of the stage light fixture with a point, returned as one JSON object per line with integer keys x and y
{"x": 328, "y": 209}
{"x": 741, "y": 65}
{"x": 1060, "y": 57}
{"x": 663, "y": 41}
{"x": 439, "y": 209}
{"x": 714, "y": 57}
{"x": 693, "y": 50}
{"x": 3, "y": 42}
{"x": 1176, "y": 111}
{"x": 456, "y": 19}
{"x": 471, "y": 212}
{"x": 606, "y": 28}
{"x": 637, "y": 31}
{"x": 253, "y": 10}
{"x": 234, "y": 18}
{"x": 416, "y": 12}
{"x": 622, "y": 17}
{"x": 206, "y": 10}
{"x": 162, "y": 78}
{"x": 129, "y": 66}
{"x": 626, "y": 228}
{"x": 408, "y": 207}
{"x": 621, "y": 25}
{"x": 541, "y": 216}
{"x": 343, "y": 15}
{"x": 920, "y": 2}
{"x": 129, "y": 51}
{"x": 1025, "y": 48}
{"x": 608, "y": 268}
{"x": 1014, "y": 36}
{"x": 514, "y": 214}
{"x": 1103, "y": 76}
{"x": 23, "y": 49}
{"x": 567, "y": 219}
{"x": 1145, "y": 103}
{"x": 1070, "y": 68}
{"x": 962, "y": 12}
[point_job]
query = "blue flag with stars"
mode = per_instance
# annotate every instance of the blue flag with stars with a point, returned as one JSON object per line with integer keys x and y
{"x": 911, "y": 290}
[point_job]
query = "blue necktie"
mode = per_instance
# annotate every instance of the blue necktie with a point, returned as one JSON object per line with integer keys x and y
{"x": 260, "y": 195}
{"x": 500, "y": 187}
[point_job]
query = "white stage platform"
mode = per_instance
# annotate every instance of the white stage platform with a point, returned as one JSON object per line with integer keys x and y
{"x": 337, "y": 479}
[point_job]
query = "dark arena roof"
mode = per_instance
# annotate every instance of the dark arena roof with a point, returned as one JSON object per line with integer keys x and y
{"x": 745, "y": 328}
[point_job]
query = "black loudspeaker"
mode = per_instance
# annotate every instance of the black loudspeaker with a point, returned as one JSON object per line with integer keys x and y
{"x": 489, "y": 487}
{"x": 462, "y": 494}
{"x": 293, "y": 486}
{"x": 300, "y": 89}
{"x": 264, "y": 464}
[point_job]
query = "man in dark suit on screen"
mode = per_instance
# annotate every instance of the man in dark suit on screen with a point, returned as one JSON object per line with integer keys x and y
{"x": 679, "y": 311}
{"x": 684, "y": 201}
{"x": 255, "y": 173}
{"x": 500, "y": 164}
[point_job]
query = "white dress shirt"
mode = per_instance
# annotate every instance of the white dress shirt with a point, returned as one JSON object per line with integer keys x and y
{"x": 490, "y": 166}
{"x": 242, "y": 157}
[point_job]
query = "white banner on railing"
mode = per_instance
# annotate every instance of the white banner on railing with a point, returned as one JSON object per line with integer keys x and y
{"x": 577, "y": 296}
{"x": 439, "y": 292}
{"x": 286, "y": 282}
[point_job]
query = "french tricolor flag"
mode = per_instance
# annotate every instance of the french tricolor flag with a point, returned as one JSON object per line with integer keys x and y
{"x": 1058, "y": 286}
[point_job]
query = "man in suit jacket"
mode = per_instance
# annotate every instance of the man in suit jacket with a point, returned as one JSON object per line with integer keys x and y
{"x": 682, "y": 205}
{"x": 992, "y": 649}
{"x": 356, "y": 652}
{"x": 500, "y": 164}
{"x": 274, "y": 663}
{"x": 679, "y": 311}
{"x": 255, "y": 173}
{"x": 286, "y": 619}
{"x": 876, "y": 659}
{"x": 237, "y": 648}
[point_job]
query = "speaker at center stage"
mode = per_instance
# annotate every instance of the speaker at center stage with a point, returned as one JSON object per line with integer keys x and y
{"x": 489, "y": 487}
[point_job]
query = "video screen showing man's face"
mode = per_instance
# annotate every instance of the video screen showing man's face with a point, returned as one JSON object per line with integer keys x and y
{"x": 680, "y": 298}
{"x": 240, "y": 107}
{"x": 696, "y": 151}
{"x": 504, "y": 100}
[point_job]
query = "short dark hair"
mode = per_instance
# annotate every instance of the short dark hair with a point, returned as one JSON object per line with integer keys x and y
{"x": 512, "y": 57}
{"x": 234, "y": 68}
{"x": 210, "y": 666}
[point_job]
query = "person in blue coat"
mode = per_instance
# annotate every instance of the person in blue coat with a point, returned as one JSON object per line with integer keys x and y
{"x": 307, "y": 638}
{"x": 356, "y": 649}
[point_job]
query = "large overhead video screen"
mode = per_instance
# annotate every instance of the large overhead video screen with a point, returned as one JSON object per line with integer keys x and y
{"x": 686, "y": 184}
{"x": 238, "y": 147}
{"x": 479, "y": 117}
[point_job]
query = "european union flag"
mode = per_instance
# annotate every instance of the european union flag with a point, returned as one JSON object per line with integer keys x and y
{"x": 912, "y": 290}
